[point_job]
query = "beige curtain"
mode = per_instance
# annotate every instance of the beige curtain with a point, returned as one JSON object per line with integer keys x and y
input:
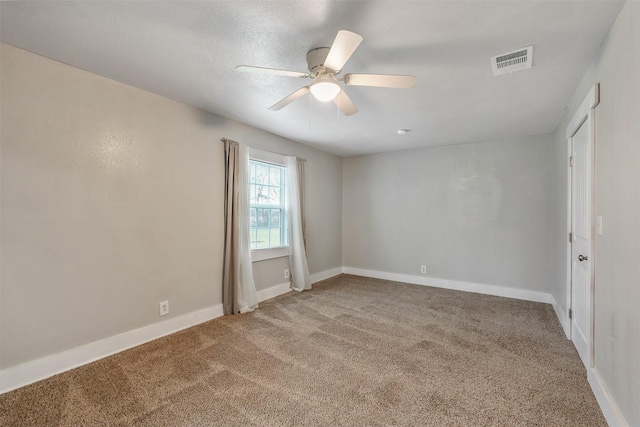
{"x": 238, "y": 289}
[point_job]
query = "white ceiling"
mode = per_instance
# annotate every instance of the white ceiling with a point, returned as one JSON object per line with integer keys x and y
{"x": 187, "y": 51}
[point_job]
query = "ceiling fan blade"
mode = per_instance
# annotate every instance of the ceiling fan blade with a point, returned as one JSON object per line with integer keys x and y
{"x": 380, "y": 80}
{"x": 289, "y": 99}
{"x": 341, "y": 50}
{"x": 345, "y": 104}
{"x": 275, "y": 71}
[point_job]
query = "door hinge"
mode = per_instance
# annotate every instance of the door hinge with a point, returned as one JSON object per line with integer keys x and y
{"x": 570, "y": 314}
{"x": 570, "y": 237}
{"x": 571, "y": 161}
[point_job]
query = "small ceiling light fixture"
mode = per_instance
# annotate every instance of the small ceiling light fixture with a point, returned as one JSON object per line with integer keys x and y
{"x": 402, "y": 131}
{"x": 324, "y": 90}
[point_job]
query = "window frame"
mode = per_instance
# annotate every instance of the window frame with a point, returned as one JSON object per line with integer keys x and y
{"x": 262, "y": 254}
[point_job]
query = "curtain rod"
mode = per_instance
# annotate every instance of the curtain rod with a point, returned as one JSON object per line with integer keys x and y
{"x": 268, "y": 151}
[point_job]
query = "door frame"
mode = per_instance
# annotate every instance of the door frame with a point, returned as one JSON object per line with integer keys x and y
{"x": 584, "y": 115}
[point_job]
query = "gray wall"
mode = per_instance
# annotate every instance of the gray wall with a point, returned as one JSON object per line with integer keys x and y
{"x": 617, "y": 198}
{"x": 559, "y": 266}
{"x": 475, "y": 212}
{"x": 112, "y": 200}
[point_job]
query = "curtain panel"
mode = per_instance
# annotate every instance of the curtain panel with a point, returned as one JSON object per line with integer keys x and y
{"x": 300, "y": 277}
{"x": 238, "y": 289}
{"x": 301, "y": 186}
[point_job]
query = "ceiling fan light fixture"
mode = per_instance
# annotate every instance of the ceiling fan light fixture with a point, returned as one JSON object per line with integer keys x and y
{"x": 324, "y": 90}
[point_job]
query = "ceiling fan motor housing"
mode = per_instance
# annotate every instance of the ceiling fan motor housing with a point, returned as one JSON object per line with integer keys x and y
{"x": 315, "y": 61}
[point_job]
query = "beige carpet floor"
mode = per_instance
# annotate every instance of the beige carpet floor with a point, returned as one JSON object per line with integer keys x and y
{"x": 351, "y": 352}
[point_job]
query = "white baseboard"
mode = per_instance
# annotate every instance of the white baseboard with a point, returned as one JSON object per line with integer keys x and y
{"x": 405, "y": 278}
{"x": 609, "y": 409}
{"x": 326, "y": 274}
{"x": 563, "y": 317}
{"x": 523, "y": 294}
{"x": 35, "y": 370}
{"x": 39, "y": 369}
{"x": 274, "y": 291}
{"x": 283, "y": 288}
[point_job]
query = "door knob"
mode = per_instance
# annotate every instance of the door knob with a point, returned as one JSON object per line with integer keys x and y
{"x": 582, "y": 258}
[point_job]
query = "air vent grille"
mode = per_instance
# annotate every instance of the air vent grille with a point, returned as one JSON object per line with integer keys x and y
{"x": 510, "y": 62}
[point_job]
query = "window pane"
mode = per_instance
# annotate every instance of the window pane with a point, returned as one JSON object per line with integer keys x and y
{"x": 274, "y": 237}
{"x": 252, "y": 194}
{"x": 262, "y": 238}
{"x": 274, "y": 195}
{"x": 275, "y": 176}
{"x": 262, "y": 195}
{"x": 274, "y": 221}
{"x": 262, "y": 174}
{"x": 263, "y": 217}
{"x": 252, "y": 220}
{"x": 252, "y": 172}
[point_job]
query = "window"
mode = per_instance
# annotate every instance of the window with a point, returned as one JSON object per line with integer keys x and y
{"x": 266, "y": 203}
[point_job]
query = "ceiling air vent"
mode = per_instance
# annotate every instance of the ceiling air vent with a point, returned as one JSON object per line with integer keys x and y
{"x": 512, "y": 61}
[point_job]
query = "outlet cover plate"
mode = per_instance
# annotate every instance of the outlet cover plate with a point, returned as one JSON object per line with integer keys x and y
{"x": 164, "y": 308}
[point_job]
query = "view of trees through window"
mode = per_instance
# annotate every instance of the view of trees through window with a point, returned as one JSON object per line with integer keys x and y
{"x": 266, "y": 189}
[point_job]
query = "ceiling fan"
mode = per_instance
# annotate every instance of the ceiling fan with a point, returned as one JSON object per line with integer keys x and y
{"x": 324, "y": 66}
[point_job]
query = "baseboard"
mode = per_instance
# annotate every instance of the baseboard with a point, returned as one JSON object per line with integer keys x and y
{"x": 274, "y": 291}
{"x": 479, "y": 288}
{"x": 326, "y": 274}
{"x": 562, "y": 317}
{"x": 39, "y": 369}
{"x": 611, "y": 412}
{"x": 36, "y": 370}
{"x": 609, "y": 409}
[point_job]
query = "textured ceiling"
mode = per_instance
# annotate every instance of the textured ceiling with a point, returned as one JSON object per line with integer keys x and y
{"x": 187, "y": 51}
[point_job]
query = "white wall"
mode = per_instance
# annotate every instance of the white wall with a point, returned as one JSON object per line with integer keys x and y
{"x": 617, "y": 198}
{"x": 112, "y": 200}
{"x": 476, "y": 213}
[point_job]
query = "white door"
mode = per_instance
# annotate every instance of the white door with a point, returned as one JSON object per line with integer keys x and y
{"x": 581, "y": 256}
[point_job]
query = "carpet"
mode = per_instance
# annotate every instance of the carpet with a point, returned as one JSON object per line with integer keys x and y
{"x": 353, "y": 351}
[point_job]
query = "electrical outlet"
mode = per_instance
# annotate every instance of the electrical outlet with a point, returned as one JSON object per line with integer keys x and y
{"x": 164, "y": 308}
{"x": 286, "y": 274}
{"x": 423, "y": 269}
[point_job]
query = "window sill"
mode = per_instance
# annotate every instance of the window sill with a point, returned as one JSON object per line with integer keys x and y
{"x": 270, "y": 253}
